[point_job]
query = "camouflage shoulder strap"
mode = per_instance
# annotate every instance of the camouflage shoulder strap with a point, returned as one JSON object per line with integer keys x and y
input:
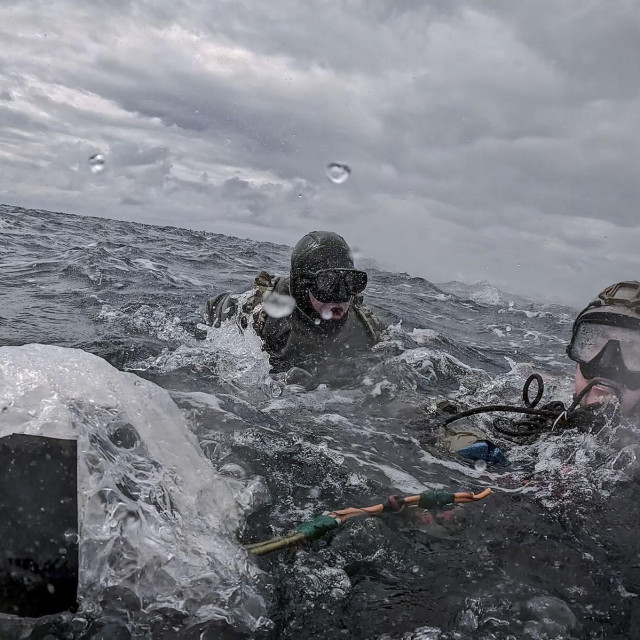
{"x": 264, "y": 284}
{"x": 368, "y": 319}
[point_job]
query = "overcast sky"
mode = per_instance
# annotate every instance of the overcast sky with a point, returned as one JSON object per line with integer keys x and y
{"x": 487, "y": 140}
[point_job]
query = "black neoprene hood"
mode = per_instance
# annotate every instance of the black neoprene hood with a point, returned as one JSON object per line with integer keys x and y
{"x": 316, "y": 251}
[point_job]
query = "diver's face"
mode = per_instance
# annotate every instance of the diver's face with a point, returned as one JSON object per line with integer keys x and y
{"x": 602, "y": 393}
{"x": 329, "y": 310}
{"x": 608, "y": 354}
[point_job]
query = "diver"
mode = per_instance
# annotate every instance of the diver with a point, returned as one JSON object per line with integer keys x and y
{"x": 326, "y": 318}
{"x": 605, "y": 345}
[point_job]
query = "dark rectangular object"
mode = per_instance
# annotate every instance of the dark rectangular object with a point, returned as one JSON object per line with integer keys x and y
{"x": 38, "y": 525}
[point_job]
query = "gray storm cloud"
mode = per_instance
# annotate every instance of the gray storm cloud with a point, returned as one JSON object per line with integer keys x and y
{"x": 496, "y": 141}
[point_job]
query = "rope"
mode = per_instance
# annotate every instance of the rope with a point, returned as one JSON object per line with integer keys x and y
{"x": 319, "y": 526}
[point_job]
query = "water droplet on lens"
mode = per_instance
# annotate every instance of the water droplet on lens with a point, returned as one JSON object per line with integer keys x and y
{"x": 507, "y": 328}
{"x": 97, "y": 163}
{"x": 338, "y": 173}
{"x": 278, "y": 305}
{"x": 299, "y": 195}
{"x": 481, "y": 465}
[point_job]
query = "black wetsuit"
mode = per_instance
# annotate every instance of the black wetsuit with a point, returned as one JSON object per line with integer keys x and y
{"x": 298, "y": 341}
{"x": 303, "y": 339}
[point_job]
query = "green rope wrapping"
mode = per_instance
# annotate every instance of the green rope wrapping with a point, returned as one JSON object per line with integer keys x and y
{"x": 436, "y": 499}
{"x": 317, "y": 527}
{"x": 431, "y": 499}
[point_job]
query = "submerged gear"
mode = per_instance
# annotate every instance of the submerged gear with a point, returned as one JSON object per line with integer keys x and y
{"x": 605, "y": 341}
{"x": 468, "y": 442}
{"x": 484, "y": 450}
{"x": 550, "y": 417}
{"x": 472, "y": 443}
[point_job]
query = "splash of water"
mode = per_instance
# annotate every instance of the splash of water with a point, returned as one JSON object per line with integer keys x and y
{"x": 154, "y": 516}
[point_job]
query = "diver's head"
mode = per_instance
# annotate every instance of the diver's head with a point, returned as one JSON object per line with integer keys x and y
{"x": 323, "y": 278}
{"x": 605, "y": 344}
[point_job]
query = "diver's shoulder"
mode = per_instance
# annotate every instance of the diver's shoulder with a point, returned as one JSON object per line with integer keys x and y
{"x": 268, "y": 282}
{"x": 367, "y": 318}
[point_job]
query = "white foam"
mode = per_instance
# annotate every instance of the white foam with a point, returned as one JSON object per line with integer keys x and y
{"x": 177, "y": 538}
{"x": 423, "y": 336}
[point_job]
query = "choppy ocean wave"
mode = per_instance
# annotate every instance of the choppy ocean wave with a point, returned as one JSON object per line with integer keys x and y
{"x": 230, "y": 454}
